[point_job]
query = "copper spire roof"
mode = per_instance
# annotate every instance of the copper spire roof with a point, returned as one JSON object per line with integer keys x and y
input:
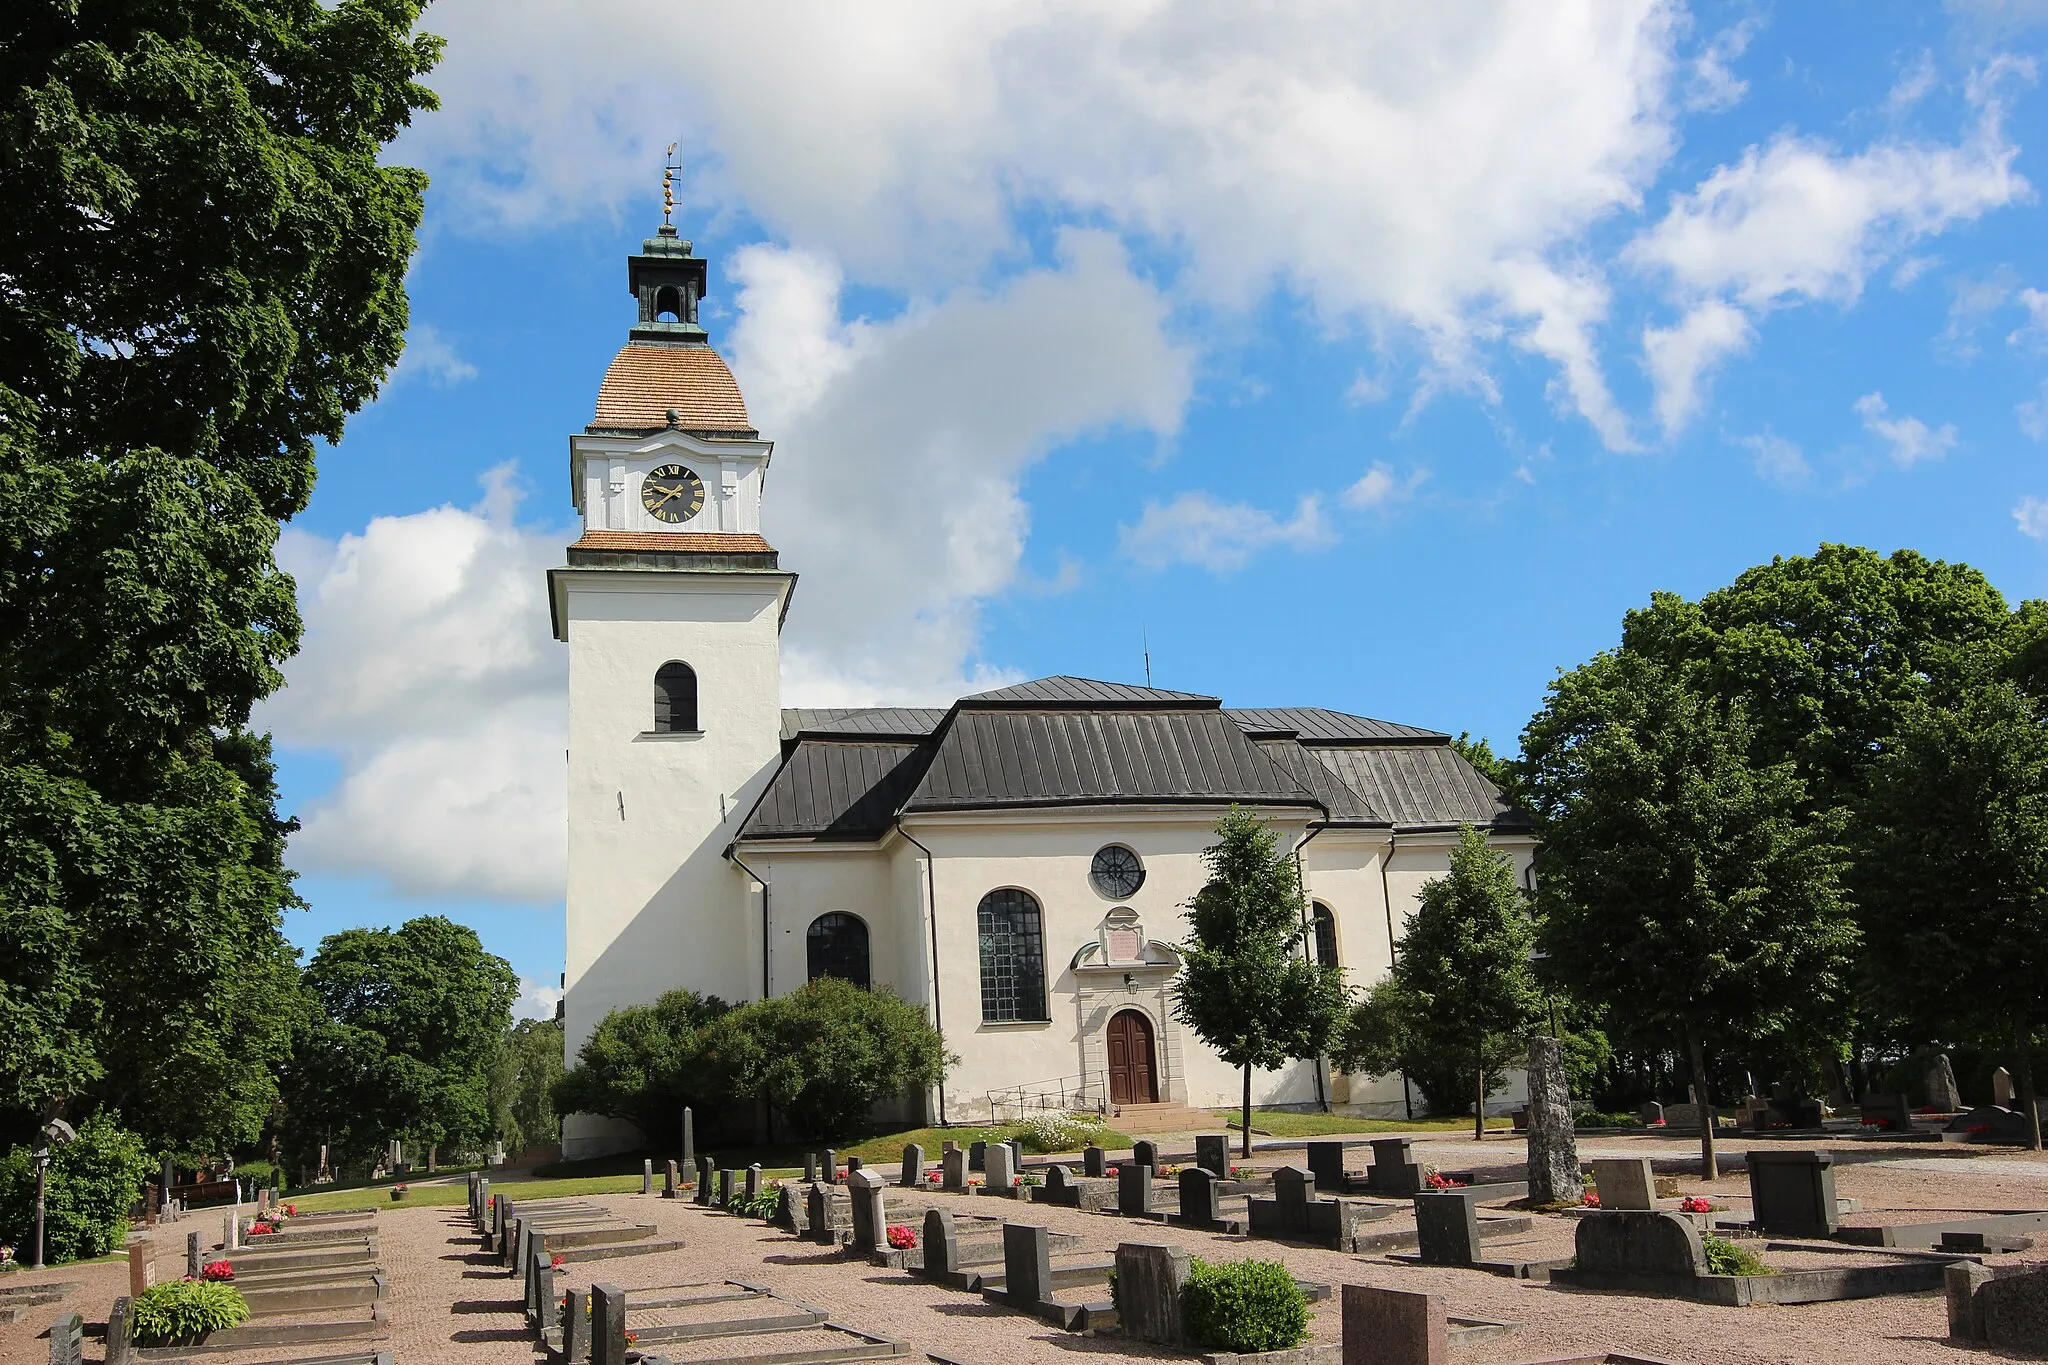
{"x": 646, "y": 382}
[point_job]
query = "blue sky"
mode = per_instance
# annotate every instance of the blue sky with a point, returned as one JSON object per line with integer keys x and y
{"x": 1347, "y": 355}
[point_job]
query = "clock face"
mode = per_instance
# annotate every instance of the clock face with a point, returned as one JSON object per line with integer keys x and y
{"x": 672, "y": 493}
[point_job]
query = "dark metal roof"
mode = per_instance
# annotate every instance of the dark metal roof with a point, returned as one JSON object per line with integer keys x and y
{"x": 1421, "y": 785}
{"x": 870, "y": 722}
{"x": 1314, "y": 726}
{"x": 1066, "y": 691}
{"x": 834, "y": 791}
{"x": 1346, "y": 806}
{"x": 989, "y": 759}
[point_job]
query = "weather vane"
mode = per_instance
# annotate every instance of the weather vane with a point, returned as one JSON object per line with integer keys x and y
{"x": 668, "y": 185}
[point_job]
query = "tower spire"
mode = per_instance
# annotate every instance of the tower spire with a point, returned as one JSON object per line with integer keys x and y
{"x": 666, "y": 277}
{"x": 668, "y": 185}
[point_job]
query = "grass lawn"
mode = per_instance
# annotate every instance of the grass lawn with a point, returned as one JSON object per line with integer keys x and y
{"x": 1285, "y": 1123}
{"x": 457, "y": 1192}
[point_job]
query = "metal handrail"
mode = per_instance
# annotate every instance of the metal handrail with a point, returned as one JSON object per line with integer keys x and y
{"x": 1074, "y": 1094}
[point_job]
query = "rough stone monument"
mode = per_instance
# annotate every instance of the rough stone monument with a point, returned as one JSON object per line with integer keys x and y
{"x": 1553, "y": 1147}
{"x": 1942, "y": 1091}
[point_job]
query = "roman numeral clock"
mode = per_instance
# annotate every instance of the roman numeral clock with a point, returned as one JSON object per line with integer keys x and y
{"x": 672, "y": 493}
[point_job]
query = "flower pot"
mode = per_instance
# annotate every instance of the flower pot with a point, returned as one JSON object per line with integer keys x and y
{"x": 397, "y": 1195}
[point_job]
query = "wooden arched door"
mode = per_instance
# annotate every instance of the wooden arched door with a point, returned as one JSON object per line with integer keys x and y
{"x": 1133, "y": 1065}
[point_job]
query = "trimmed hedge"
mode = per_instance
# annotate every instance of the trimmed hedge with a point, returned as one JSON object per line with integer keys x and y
{"x": 1244, "y": 1306}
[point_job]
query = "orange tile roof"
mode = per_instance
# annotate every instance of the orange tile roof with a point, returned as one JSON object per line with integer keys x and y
{"x": 676, "y": 542}
{"x": 644, "y": 382}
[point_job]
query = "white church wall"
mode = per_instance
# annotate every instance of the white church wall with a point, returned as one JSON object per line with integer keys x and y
{"x": 808, "y": 882}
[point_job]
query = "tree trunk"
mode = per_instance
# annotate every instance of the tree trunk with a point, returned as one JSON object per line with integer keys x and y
{"x": 1479, "y": 1099}
{"x": 1246, "y": 1131}
{"x": 1710, "y": 1169}
{"x": 2022, "y": 1039}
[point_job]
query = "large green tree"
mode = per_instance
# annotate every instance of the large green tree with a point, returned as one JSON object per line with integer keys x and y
{"x": 640, "y": 1064}
{"x": 203, "y": 261}
{"x": 407, "y": 1037}
{"x": 523, "y": 1085}
{"x": 1953, "y": 877}
{"x": 1462, "y": 999}
{"x": 1683, "y": 887}
{"x": 1245, "y": 988}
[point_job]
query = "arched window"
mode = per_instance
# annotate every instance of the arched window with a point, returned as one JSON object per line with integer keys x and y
{"x": 837, "y": 945}
{"x": 668, "y": 304}
{"x": 1326, "y": 936}
{"x": 1012, "y": 957}
{"x": 675, "y": 699}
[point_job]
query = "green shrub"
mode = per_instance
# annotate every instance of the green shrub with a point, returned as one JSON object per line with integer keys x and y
{"x": 1726, "y": 1258}
{"x": 1245, "y": 1306}
{"x": 179, "y": 1310}
{"x": 259, "y": 1175}
{"x": 93, "y": 1182}
{"x": 762, "y": 1205}
{"x": 1593, "y": 1118}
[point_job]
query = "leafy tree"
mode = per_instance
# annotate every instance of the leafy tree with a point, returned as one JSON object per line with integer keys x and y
{"x": 1245, "y": 988}
{"x": 1683, "y": 888}
{"x": 1954, "y": 879}
{"x": 522, "y": 1087}
{"x": 640, "y": 1064}
{"x": 93, "y": 1181}
{"x": 204, "y": 260}
{"x": 408, "y": 1033}
{"x": 1481, "y": 756}
{"x": 1461, "y": 999}
{"x": 824, "y": 1055}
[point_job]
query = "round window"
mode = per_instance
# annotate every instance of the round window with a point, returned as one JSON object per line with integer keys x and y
{"x": 1116, "y": 872}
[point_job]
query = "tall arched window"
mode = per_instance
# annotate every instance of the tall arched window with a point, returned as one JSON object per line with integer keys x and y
{"x": 837, "y": 945}
{"x": 1012, "y": 957}
{"x": 675, "y": 699}
{"x": 1326, "y": 936}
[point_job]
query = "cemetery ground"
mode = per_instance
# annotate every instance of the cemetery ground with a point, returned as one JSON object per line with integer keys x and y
{"x": 452, "y": 1304}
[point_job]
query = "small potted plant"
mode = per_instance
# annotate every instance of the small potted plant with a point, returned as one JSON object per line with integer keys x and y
{"x": 397, "y": 1193}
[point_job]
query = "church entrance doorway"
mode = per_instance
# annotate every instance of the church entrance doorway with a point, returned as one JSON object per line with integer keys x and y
{"x": 1133, "y": 1066}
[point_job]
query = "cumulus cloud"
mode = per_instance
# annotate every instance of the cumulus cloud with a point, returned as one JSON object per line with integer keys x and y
{"x": 1679, "y": 357}
{"x": 1195, "y": 528}
{"x": 537, "y": 999}
{"x": 1910, "y": 440}
{"x": 428, "y": 670}
{"x": 2035, "y": 328}
{"x": 1379, "y": 488}
{"x": 430, "y": 356}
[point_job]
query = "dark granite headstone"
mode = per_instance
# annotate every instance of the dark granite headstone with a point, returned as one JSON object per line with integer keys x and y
{"x": 953, "y": 1166}
{"x": 977, "y": 1156}
{"x": 1942, "y": 1091}
{"x": 1056, "y": 1177}
{"x": 818, "y": 1213}
{"x": 726, "y": 1179}
{"x": 870, "y": 1218}
{"x": 1446, "y": 1228}
{"x": 791, "y": 1215}
{"x": 1391, "y": 1171}
{"x": 1199, "y": 1200}
{"x": 810, "y": 1167}
{"x": 1395, "y": 1327}
{"x": 67, "y": 1340}
{"x": 1792, "y": 1193}
{"x": 1887, "y": 1112}
{"x": 1293, "y": 1190}
{"x": 1553, "y": 1166}
{"x": 1027, "y": 1263}
{"x": 706, "y": 1174}
{"x": 1326, "y": 1164}
{"x": 828, "y": 1160}
{"x": 576, "y": 1326}
{"x": 607, "y": 1325}
{"x": 1133, "y": 1189}
{"x": 854, "y": 1163}
{"x": 1094, "y": 1162}
{"x": 669, "y": 1181}
{"x": 1639, "y": 1244}
{"x": 913, "y": 1166}
{"x": 753, "y": 1186}
{"x": 1212, "y": 1154}
{"x": 1149, "y": 1282}
{"x": 941, "y": 1245}
{"x": 120, "y": 1331}
{"x": 1146, "y": 1153}
{"x": 1650, "y": 1113}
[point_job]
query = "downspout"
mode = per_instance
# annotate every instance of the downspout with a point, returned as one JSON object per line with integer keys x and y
{"x": 733, "y": 852}
{"x": 1387, "y": 902}
{"x": 931, "y": 888}
{"x": 1308, "y": 946}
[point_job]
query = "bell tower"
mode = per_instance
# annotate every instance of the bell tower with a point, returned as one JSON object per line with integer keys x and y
{"x": 671, "y": 604}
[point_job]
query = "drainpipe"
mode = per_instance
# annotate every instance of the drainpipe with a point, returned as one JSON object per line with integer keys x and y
{"x": 1387, "y": 902}
{"x": 931, "y": 888}
{"x": 1308, "y": 946}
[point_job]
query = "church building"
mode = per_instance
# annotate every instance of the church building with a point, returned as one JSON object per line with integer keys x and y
{"x": 1016, "y": 864}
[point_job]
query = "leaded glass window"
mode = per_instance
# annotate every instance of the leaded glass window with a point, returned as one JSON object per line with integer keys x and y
{"x": 837, "y": 945}
{"x": 1326, "y": 936}
{"x": 675, "y": 699}
{"x": 1012, "y": 957}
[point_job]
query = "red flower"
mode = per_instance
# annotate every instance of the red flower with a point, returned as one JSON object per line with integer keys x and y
{"x": 261, "y": 1229}
{"x": 1592, "y": 1199}
{"x": 902, "y": 1236}
{"x": 217, "y": 1270}
{"x": 1692, "y": 1203}
{"x": 1978, "y": 1128}
{"x": 555, "y": 1261}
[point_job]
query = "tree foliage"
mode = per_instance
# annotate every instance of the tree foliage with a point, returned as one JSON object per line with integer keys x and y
{"x": 640, "y": 1063}
{"x": 523, "y": 1084}
{"x": 1461, "y": 998}
{"x": 1245, "y": 989}
{"x": 205, "y": 264}
{"x": 93, "y": 1181}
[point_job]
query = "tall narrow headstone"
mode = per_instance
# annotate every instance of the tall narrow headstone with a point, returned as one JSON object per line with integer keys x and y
{"x": 1326, "y": 1164}
{"x": 647, "y": 1175}
{"x": 810, "y": 1167}
{"x": 1149, "y": 1281}
{"x": 1094, "y": 1162}
{"x": 1016, "y": 1146}
{"x": 121, "y": 1331}
{"x": 689, "y": 1139}
{"x": 829, "y": 1159}
{"x": 576, "y": 1325}
{"x": 607, "y": 1325}
{"x": 67, "y": 1340}
{"x": 913, "y": 1166}
{"x": 725, "y": 1179}
{"x": 753, "y": 1187}
{"x": 954, "y": 1178}
{"x": 854, "y": 1163}
{"x": 1212, "y": 1154}
{"x": 1942, "y": 1091}
{"x": 669, "y": 1181}
{"x": 1395, "y": 1325}
{"x": 1027, "y": 1263}
{"x": 977, "y": 1156}
{"x": 1553, "y": 1146}
{"x": 870, "y": 1218}
{"x": 1001, "y": 1175}
{"x": 941, "y": 1244}
{"x": 706, "y": 1175}
{"x": 1133, "y": 1189}
{"x": 195, "y": 1255}
{"x": 1446, "y": 1228}
{"x": 1293, "y": 1191}
{"x": 231, "y": 1233}
{"x": 2001, "y": 1088}
{"x": 818, "y": 1213}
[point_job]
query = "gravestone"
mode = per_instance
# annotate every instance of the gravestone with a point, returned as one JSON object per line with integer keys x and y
{"x": 547, "y": 1308}
{"x": 669, "y": 1182}
{"x": 1149, "y": 1282}
{"x": 689, "y": 1139}
{"x": 1094, "y": 1162}
{"x": 913, "y": 1166}
{"x": 1027, "y": 1263}
{"x": 753, "y": 1186}
{"x": 141, "y": 1266}
{"x": 121, "y": 1331}
{"x": 647, "y": 1175}
{"x": 231, "y": 1233}
{"x": 954, "y": 1167}
{"x": 2005, "y": 1308}
{"x": 828, "y": 1162}
{"x": 67, "y": 1340}
{"x": 1199, "y": 1200}
{"x": 1133, "y": 1190}
{"x": 941, "y": 1244}
{"x": 1553, "y": 1146}
{"x": 1682, "y": 1118}
{"x": 810, "y": 1168}
{"x": 1212, "y": 1154}
{"x": 818, "y": 1213}
{"x": 1394, "y": 1327}
{"x": 1942, "y": 1092}
{"x": 1002, "y": 1172}
{"x": 1326, "y": 1164}
{"x": 705, "y": 1169}
{"x": 1989, "y": 1123}
{"x": 1625, "y": 1182}
{"x": 1145, "y": 1152}
{"x": 576, "y": 1326}
{"x": 195, "y": 1255}
{"x": 854, "y": 1163}
{"x": 977, "y": 1156}
{"x": 725, "y": 1184}
{"x": 607, "y": 1325}
{"x": 1391, "y": 1171}
{"x": 540, "y": 1281}
{"x": 2001, "y": 1088}
{"x": 1446, "y": 1228}
{"x": 1792, "y": 1194}
{"x": 1293, "y": 1191}
{"x": 1639, "y": 1244}
{"x": 1056, "y": 1178}
{"x": 870, "y": 1218}
{"x": 791, "y": 1215}
{"x": 1889, "y": 1112}
{"x": 1016, "y": 1146}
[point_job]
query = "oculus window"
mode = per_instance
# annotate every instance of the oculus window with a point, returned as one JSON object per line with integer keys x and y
{"x": 837, "y": 945}
{"x": 1012, "y": 957}
{"x": 1116, "y": 873}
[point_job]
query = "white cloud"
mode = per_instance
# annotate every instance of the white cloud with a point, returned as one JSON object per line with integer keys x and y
{"x": 1711, "y": 85}
{"x": 1911, "y": 440}
{"x": 1679, "y": 357}
{"x": 2033, "y": 415}
{"x": 1379, "y": 488}
{"x": 537, "y": 999}
{"x": 2035, "y": 328}
{"x": 1776, "y": 460}
{"x": 2031, "y": 516}
{"x": 430, "y": 356}
{"x": 1195, "y": 528}
{"x": 428, "y": 670}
